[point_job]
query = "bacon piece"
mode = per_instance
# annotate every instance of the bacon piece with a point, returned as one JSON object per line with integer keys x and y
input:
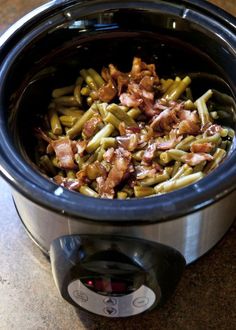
{"x": 141, "y": 69}
{"x": 64, "y": 153}
{"x": 114, "y": 72}
{"x": 128, "y": 142}
{"x": 201, "y": 147}
{"x": 189, "y": 115}
{"x": 188, "y": 127}
{"x": 80, "y": 147}
{"x": 122, "y": 82}
{"x": 71, "y": 184}
{"x": 121, "y": 162}
{"x": 136, "y": 67}
{"x": 193, "y": 159}
{"x": 105, "y": 73}
{"x": 109, "y": 154}
{"x": 140, "y": 92}
{"x": 149, "y": 153}
{"x": 91, "y": 126}
{"x": 147, "y": 83}
{"x": 165, "y": 120}
{"x": 107, "y": 92}
{"x": 130, "y": 100}
{"x": 211, "y": 129}
{"x": 171, "y": 143}
{"x": 147, "y": 171}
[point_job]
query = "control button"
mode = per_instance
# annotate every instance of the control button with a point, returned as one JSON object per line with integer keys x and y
{"x": 140, "y": 301}
{"x": 80, "y": 296}
{"x": 110, "y": 301}
{"x": 109, "y": 310}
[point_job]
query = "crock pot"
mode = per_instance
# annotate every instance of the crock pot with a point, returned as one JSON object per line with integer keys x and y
{"x": 115, "y": 258}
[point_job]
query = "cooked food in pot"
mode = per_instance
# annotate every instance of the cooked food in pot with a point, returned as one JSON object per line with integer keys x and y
{"x": 123, "y": 135}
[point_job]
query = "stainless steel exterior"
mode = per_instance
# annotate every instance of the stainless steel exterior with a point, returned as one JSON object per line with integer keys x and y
{"x": 192, "y": 235}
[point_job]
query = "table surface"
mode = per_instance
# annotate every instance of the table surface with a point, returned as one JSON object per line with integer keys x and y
{"x": 204, "y": 299}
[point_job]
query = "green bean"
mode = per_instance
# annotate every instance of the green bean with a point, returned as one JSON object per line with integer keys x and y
{"x": 202, "y": 107}
{"x": 46, "y": 164}
{"x": 223, "y": 132}
{"x": 218, "y": 156}
{"x": 181, "y": 182}
{"x": 85, "y": 91}
{"x": 70, "y": 174}
{"x": 165, "y": 84}
{"x": 58, "y": 92}
{"x": 89, "y": 101}
{"x": 78, "y": 126}
{"x": 96, "y": 77}
{"x": 199, "y": 167}
{"x": 100, "y": 152}
{"x": 79, "y": 160}
{"x": 85, "y": 190}
{"x": 54, "y": 122}
{"x": 68, "y": 121}
{"x": 223, "y": 145}
{"x": 189, "y": 105}
{"x": 102, "y": 108}
{"x": 93, "y": 170}
{"x": 55, "y": 162}
{"x": 96, "y": 140}
{"x": 91, "y": 159}
{"x": 121, "y": 115}
{"x": 122, "y": 195}
{"x": 172, "y": 154}
{"x": 170, "y": 89}
{"x": 189, "y": 94}
{"x": 124, "y": 108}
{"x": 182, "y": 171}
{"x": 113, "y": 120}
{"x": 214, "y": 115}
{"x": 77, "y": 90}
{"x": 216, "y": 139}
{"x": 231, "y": 133}
{"x": 138, "y": 155}
{"x": 169, "y": 170}
{"x": 185, "y": 143}
{"x": 140, "y": 191}
{"x": 128, "y": 190}
{"x": 157, "y": 178}
{"x": 108, "y": 142}
{"x": 89, "y": 80}
{"x": 73, "y": 111}
{"x": 134, "y": 113}
{"x": 176, "y": 166}
{"x": 68, "y": 101}
{"x": 178, "y": 89}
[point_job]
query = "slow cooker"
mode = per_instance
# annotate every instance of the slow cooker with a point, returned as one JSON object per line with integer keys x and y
{"x": 115, "y": 258}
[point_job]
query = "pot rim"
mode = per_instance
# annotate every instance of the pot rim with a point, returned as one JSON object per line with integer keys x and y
{"x": 44, "y": 192}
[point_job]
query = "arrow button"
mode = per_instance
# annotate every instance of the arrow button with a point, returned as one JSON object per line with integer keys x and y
{"x": 110, "y": 311}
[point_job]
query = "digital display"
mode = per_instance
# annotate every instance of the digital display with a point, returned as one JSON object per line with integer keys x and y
{"x": 108, "y": 285}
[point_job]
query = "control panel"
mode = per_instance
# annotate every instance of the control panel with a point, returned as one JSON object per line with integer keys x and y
{"x": 116, "y": 304}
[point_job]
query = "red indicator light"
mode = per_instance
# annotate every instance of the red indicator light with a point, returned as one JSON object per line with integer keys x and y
{"x": 89, "y": 282}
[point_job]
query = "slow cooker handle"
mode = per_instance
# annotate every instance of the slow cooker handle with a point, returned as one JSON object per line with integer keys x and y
{"x": 84, "y": 262}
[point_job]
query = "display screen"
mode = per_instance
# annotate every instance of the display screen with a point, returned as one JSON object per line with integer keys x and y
{"x": 108, "y": 285}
